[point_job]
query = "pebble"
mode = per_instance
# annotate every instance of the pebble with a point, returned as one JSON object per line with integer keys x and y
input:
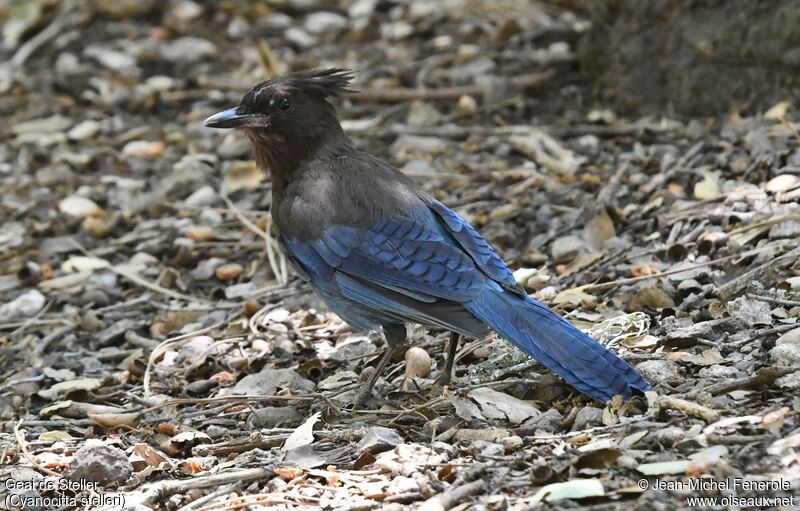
{"x": 24, "y": 306}
{"x": 203, "y": 196}
{"x": 787, "y": 355}
{"x": 53, "y": 124}
{"x": 79, "y": 207}
{"x": 122, "y": 8}
{"x": 467, "y": 105}
{"x": 418, "y": 167}
{"x": 99, "y": 463}
{"x": 144, "y": 149}
{"x": 114, "y": 60}
{"x": 790, "y": 337}
{"x": 782, "y": 183}
{"x": 658, "y": 371}
{"x": 274, "y": 417}
{"x": 362, "y": 8}
{"x": 187, "y": 50}
{"x": 300, "y": 37}
{"x": 268, "y": 381}
{"x": 84, "y": 130}
{"x": 325, "y": 23}
{"x": 229, "y": 271}
{"x": 587, "y": 417}
{"x": 379, "y": 439}
{"x": 566, "y": 248}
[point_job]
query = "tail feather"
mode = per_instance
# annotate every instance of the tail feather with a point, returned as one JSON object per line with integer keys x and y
{"x": 556, "y": 343}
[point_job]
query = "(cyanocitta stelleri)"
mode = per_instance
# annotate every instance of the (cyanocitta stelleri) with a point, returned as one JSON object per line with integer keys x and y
{"x": 382, "y": 253}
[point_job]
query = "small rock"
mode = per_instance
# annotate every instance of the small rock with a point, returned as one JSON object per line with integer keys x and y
{"x": 790, "y": 337}
{"x": 484, "y": 448}
{"x": 324, "y": 22}
{"x": 782, "y": 183}
{"x": 379, "y": 439}
{"x": 418, "y": 167}
{"x": 787, "y": 355}
{"x": 274, "y": 417}
{"x": 421, "y": 113}
{"x": 24, "y": 306}
{"x": 268, "y": 381}
{"x": 718, "y": 371}
{"x": 122, "y": 9}
{"x": 53, "y": 124}
{"x": 401, "y": 485}
{"x": 658, "y": 371}
{"x": 84, "y": 130}
{"x": 751, "y": 312}
{"x": 187, "y": 50}
{"x": 229, "y": 271}
{"x": 397, "y": 30}
{"x": 467, "y": 105}
{"x": 240, "y": 290}
{"x": 566, "y": 248}
{"x": 79, "y": 207}
{"x": 511, "y": 443}
{"x": 144, "y": 149}
{"x": 203, "y": 196}
{"x": 200, "y": 233}
{"x": 99, "y": 463}
{"x": 790, "y": 381}
{"x": 300, "y": 37}
{"x": 789, "y": 229}
{"x": 587, "y": 417}
{"x": 362, "y": 8}
{"x": 111, "y": 59}
{"x": 413, "y": 144}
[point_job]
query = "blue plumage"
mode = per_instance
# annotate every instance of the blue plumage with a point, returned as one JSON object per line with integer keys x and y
{"x": 381, "y": 252}
{"x": 400, "y": 268}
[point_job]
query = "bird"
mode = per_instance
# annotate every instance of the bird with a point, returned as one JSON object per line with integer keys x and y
{"x": 384, "y": 254}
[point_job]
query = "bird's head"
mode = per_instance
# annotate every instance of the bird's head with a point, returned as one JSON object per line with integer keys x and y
{"x": 288, "y": 117}
{"x": 287, "y": 108}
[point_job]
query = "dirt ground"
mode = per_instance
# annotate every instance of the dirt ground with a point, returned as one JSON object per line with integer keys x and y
{"x": 156, "y": 353}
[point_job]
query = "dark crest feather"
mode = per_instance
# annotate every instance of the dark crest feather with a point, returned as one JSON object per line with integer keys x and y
{"x": 326, "y": 82}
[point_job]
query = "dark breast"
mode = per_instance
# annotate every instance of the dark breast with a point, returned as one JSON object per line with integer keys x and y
{"x": 341, "y": 188}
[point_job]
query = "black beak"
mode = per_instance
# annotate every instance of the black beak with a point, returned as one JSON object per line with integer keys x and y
{"x": 236, "y": 117}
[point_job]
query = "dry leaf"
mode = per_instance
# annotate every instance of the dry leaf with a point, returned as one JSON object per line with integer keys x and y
{"x": 303, "y": 435}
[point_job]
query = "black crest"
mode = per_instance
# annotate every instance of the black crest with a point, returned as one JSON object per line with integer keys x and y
{"x": 325, "y": 82}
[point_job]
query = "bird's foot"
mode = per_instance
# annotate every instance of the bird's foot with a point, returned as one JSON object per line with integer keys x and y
{"x": 363, "y": 397}
{"x": 444, "y": 379}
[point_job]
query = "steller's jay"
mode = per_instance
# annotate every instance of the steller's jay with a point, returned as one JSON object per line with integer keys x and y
{"x": 381, "y": 252}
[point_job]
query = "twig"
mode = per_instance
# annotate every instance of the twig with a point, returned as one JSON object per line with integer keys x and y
{"x": 225, "y": 399}
{"x": 277, "y": 262}
{"x": 211, "y": 496}
{"x": 400, "y": 94}
{"x": 684, "y": 406}
{"x": 774, "y": 301}
{"x": 153, "y": 492}
{"x": 453, "y": 496}
{"x": 55, "y": 334}
{"x": 66, "y": 16}
{"x": 161, "y": 348}
{"x": 23, "y": 447}
{"x": 737, "y": 284}
{"x": 713, "y": 262}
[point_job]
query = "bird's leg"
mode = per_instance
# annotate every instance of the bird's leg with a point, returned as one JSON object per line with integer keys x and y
{"x": 452, "y": 347}
{"x": 366, "y": 392}
{"x": 394, "y": 335}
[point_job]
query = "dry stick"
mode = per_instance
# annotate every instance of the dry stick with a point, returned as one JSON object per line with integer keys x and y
{"x": 195, "y": 504}
{"x": 633, "y": 280}
{"x": 454, "y": 496}
{"x": 401, "y": 94}
{"x": 682, "y": 405}
{"x": 66, "y": 16}
{"x": 763, "y": 376}
{"x": 52, "y": 336}
{"x": 277, "y": 262}
{"x": 23, "y": 447}
{"x": 161, "y": 348}
{"x": 734, "y": 286}
{"x": 153, "y": 492}
{"x": 226, "y": 399}
{"x": 774, "y": 301}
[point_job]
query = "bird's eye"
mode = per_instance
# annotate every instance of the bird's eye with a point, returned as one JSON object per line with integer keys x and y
{"x": 284, "y": 104}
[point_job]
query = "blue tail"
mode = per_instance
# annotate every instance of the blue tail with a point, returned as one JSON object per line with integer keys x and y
{"x": 556, "y": 343}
